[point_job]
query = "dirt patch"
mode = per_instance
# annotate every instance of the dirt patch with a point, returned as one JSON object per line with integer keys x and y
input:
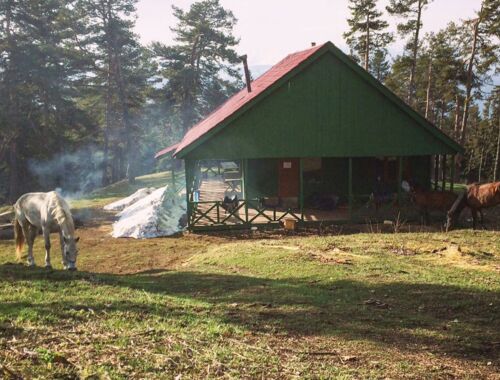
{"x": 101, "y": 253}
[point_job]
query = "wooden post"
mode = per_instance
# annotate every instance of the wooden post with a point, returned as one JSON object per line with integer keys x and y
{"x": 244, "y": 170}
{"x": 452, "y": 172}
{"x": 443, "y": 183}
{"x": 188, "y": 169}
{"x": 301, "y": 182}
{"x": 349, "y": 187}
{"x": 400, "y": 179}
{"x": 436, "y": 171}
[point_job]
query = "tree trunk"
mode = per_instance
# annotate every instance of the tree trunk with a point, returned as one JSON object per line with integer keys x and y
{"x": 106, "y": 167}
{"x": 367, "y": 42}
{"x": 411, "y": 89}
{"x": 469, "y": 79}
{"x": 456, "y": 127}
{"x": 129, "y": 155}
{"x": 13, "y": 172}
{"x": 480, "y": 166}
{"x": 497, "y": 155}
{"x": 429, "y": 88}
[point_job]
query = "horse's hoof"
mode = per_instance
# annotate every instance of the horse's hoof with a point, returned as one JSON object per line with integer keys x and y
{"x": 72, "y": 269}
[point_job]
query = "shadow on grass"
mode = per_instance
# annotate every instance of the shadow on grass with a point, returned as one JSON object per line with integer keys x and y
{"x": 456, "y": 321}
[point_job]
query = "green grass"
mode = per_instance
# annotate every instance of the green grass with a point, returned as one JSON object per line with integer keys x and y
{"x": 354, "y": 306}
{"x": 122, "y": 189}
{"x": 421, "y": 305}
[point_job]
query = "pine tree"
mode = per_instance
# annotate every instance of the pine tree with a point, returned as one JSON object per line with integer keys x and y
{"x": 118, "y": 82}
{"x": 410, "y": 11}
{"x": 367, "y": 36}
{"x": 38, "y": 71}
{"x": 379, "y": 65}
{"x": 200, "y": 68}
{"x": 480, "y": 52}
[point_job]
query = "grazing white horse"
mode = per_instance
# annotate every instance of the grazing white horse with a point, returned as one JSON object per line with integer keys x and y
{"x": 45, "y": 211}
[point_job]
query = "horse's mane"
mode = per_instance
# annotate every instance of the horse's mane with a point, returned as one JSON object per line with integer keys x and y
{"x": 61, "y": 212}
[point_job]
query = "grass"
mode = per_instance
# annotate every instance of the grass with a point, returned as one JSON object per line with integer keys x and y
{"x": 121, "y": 189}
{"x": 421, "y": 305}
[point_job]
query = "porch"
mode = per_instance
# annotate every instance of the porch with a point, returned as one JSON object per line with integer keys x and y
{"x": 309, "y": 190}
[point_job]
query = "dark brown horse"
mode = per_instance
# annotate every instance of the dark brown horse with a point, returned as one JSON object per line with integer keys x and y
{"x": 432, "y": 201}
{"x": 477, "y": 197}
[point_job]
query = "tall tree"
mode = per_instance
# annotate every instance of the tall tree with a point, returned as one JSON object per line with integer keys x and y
{"x": 117, "y": 82}
{"x": 480, "y": 52}
{"x": 410, "y": 11}
{"x": 38, "y": 71}
{"x": 367, "y": 37}
{"x": 199, "y": 69}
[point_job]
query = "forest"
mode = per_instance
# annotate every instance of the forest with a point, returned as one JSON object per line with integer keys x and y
{"x": 84, "y": 104}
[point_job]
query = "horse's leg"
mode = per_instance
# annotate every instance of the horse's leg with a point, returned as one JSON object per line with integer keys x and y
{"x": 61, "y": 240}
{"x": 27, "y": 235}
{"x": 48, "y": 265}
{"x": 474, "y": 217}
{"x": 482, "y": 216}
{"x": 30, "y": 239}
{"x": 46, "y": 238}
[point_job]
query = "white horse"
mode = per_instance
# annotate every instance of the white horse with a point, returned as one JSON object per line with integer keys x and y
{"x": 45, "y": 211}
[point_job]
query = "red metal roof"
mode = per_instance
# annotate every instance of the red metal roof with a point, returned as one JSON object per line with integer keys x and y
{"x": 237, "y": 101}
{"x": 169, "y": 149}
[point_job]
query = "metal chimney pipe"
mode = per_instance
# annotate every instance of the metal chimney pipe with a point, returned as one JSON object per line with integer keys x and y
{"x": 247, "y": 72}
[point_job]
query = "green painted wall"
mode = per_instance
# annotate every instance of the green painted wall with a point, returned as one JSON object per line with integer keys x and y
{"x": 325, "y": 111}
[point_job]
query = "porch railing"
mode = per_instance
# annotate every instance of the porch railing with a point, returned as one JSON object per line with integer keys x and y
{"x": 246, "y": 212}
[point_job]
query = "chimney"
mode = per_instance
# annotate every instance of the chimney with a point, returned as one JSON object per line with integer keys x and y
{"x": 313, "y": 44}
{"x": 247, "y": 72}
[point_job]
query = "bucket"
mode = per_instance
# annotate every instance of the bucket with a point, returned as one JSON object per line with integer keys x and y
{"x": 290, "y": 224}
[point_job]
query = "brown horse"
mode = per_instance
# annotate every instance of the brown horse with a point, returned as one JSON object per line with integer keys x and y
{"x": 432, "y": 200}
{"x": 477, "y": 197}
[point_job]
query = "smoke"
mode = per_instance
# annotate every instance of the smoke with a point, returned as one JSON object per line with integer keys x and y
{"x": 72, "y": 174}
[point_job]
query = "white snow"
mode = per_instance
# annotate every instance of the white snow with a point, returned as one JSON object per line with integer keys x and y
{"x": 131, "y": 199}
{"x": 157, "y": 214}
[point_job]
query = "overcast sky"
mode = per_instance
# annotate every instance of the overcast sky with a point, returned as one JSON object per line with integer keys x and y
{"x": 271, "y": 29}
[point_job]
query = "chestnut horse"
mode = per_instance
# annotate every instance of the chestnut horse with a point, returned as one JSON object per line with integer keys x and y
{"x": 432, "y": 200}
{"x": 477, "y": 197}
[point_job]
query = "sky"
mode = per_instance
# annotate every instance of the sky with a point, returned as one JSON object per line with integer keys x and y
{"x": 271, "y": 29}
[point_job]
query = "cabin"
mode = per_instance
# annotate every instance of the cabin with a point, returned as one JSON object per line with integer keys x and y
{"x": 315, "y": 139}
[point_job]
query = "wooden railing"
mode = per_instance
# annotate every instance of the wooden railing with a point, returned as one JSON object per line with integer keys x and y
{"x": 213, "y": 213}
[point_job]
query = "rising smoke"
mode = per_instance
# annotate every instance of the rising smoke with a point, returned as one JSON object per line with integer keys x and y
{"x": 72, "y": 174}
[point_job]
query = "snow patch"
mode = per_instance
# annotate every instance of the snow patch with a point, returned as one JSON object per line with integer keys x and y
{"x": 131, "y": 199}
{"x": 158, "y": 214}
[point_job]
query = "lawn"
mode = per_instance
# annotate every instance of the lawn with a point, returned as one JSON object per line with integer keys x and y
{"x": 263, "y": 305}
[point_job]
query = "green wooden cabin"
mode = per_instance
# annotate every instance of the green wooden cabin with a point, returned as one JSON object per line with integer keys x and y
{"x": 315, "y": 127}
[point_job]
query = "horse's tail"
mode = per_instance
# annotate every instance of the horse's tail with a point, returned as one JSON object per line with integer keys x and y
{"x": 18, "y": 231}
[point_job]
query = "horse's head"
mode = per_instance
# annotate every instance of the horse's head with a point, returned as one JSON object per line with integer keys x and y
{"x": 70, "y": 252}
